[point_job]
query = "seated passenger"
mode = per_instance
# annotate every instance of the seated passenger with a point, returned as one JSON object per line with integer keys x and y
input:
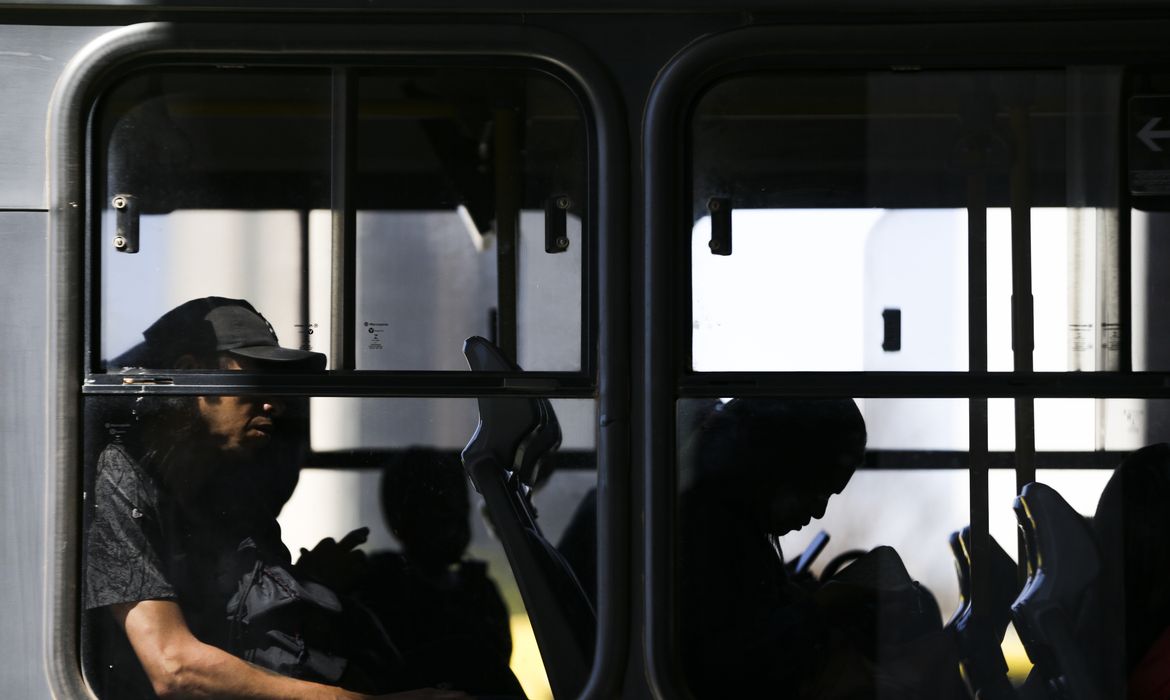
{"x": 1133, "y": 520}
{"x": 763, "y": 468}
{"x": 184, "y": 553}
{"x": 444, "y": 613}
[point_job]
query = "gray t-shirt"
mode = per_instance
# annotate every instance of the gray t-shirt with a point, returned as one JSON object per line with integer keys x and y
{"x": 126, "y": 543}
{"x": 141, "y": 545}
{"x": 125, "y": 548}
{"x": 222, "y": 560}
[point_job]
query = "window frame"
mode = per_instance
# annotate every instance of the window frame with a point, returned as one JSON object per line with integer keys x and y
{"x": 604, "y": 312}
{"x": 666, "y": 332}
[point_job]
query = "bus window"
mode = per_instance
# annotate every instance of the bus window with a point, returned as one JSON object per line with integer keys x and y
{"x": 949, "y": 247}
{"x": 335, "y": 235}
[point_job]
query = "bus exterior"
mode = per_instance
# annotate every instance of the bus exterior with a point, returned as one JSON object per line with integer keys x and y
{"x": 633, "y": 273}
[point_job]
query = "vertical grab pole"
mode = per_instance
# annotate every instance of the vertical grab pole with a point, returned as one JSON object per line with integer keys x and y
{"x": 506, "y": 146}
{"x": 977, "y": 361}
{"x": 978, "y": 116}
{"x": 344, "y": 258}
{"x": 1023, "y": 326}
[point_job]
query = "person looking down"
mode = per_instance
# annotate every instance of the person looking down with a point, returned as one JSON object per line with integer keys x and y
{"x": 759, "y": 468}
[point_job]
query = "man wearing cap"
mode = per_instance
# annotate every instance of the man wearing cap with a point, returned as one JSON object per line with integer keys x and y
{"x": 188, "y": 589}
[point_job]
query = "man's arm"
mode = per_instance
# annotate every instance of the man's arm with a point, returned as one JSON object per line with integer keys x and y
{"x": 180, "y": 666}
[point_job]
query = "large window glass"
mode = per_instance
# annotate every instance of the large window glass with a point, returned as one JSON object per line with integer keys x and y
{"x": 968, "y": 246}
{"x": 296, "y": 275}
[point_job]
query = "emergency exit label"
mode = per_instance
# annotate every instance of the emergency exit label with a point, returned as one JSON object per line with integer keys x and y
{"x": 1149, "y": 145}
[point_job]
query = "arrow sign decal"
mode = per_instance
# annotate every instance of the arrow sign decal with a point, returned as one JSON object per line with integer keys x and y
{"x": 1148, "y": 134}
{"x": 1147, "y": 121}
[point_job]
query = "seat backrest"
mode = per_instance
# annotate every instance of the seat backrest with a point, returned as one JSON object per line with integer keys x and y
{"x": 1060, "y": 596}
{"x": 979, "y": 629}
{"x": 503, "y": 460}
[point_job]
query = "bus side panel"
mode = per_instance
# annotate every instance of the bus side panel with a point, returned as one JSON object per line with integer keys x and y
{"x": 31, "y": 59}
{"x": 23, "y": 476}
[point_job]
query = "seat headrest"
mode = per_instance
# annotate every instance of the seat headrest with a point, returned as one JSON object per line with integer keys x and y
{"x": 518, "y": 432}
{"x": 1063, "y": 557}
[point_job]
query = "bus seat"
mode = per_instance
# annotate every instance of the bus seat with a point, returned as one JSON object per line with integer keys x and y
{"x": 544, "y": 440}
{"x": 1059, "y": 597}
{"x": 979, "y": 635}
{"x": 503, "y": 459}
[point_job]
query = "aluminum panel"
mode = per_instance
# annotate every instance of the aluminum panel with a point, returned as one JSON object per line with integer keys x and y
{"x": 31, "y": 60}
{"x": 23, "y": 316}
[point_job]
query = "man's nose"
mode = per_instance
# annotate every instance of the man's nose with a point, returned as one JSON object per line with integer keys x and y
{"x": 273, "y": 407}
{"x": 819, "y": 510}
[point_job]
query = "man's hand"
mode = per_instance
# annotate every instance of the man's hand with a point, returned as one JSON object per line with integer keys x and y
{"x": 338, "y": 565}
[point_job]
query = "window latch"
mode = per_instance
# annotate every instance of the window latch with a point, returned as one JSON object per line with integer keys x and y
{"x": 125, "y": 223}
{"x": 720, "y": 210}
{"x": 556, "y": 236}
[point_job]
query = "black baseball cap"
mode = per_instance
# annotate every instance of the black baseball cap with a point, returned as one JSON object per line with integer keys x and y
{"x": 213, "y": 325}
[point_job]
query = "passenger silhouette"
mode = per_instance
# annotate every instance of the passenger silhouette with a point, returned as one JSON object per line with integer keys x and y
{"x": 1133, "y": 523}
{"x": 444, "y": 613}
{"x": 764, "y": 467}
